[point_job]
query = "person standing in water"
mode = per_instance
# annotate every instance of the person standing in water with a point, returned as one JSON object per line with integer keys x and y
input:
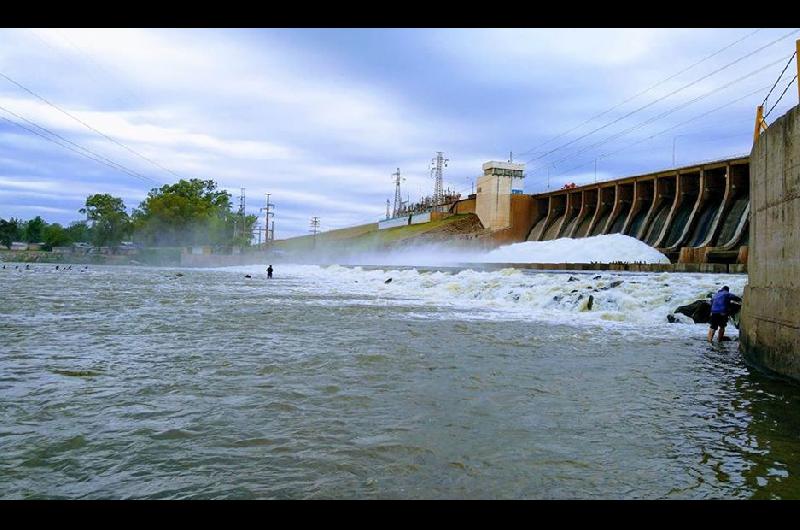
{"x": 269, "y": 271}
{"x": 720, "y": 309}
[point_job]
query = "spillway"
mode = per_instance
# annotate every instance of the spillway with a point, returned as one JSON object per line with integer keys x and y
{"x": 702, "y": 206}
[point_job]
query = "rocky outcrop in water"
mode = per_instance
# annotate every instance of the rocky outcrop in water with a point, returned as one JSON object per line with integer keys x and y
{"x": 700, "y": 312}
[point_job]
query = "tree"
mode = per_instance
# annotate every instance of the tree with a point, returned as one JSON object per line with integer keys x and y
{"x": 56, "y": 236}
{"x": 9, "y": 232}
{"x": 110, "y": 221}
{"x": 189, "y": 212}
{"x": 244, "y": 234}
{"x": 78, "y": 231}
{"x": 33, "y": 230}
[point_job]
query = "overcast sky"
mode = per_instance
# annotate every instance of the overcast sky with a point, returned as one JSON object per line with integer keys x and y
{"x": 321, "y": 118}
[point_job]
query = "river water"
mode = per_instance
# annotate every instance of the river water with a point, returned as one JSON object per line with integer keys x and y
{"x": 328, "y": 382}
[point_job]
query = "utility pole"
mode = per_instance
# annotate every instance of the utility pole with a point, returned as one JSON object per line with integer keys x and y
{"x": 760, "y": 125}
{"x": 387, "y": 208}
{"x": 398, "y": 201}
{"x": 674, "y": 139}
{"x": 437, "y": 163}
{"x": 239, "y": 223}
{"x": 314, "y": 228}
{"x": 268, "y": 212}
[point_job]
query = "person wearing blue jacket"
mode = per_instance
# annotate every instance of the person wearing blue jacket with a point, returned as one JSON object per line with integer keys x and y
{"x": 720, "y": 309}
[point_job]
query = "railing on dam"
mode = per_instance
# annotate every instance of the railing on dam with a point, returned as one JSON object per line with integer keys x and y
{"x": 703, "y": 206}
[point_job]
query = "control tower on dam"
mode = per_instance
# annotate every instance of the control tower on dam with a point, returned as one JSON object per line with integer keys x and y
{"x": 693, "y": 214}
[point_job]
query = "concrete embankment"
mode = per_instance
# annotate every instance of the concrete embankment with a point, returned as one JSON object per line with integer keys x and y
{"x": 770, "y": 317}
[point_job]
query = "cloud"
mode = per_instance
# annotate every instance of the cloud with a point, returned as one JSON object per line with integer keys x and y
{"x": 321, "y": 118}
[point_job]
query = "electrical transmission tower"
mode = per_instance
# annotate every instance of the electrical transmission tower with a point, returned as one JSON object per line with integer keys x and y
{"x": 269, "y": 233}
{"x": 398, "y": 201}
{"x": 437, "y": 164}
{"x": 314, "y": 226}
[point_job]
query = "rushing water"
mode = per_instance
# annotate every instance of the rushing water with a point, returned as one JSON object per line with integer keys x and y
{"x": 328, "y": 382}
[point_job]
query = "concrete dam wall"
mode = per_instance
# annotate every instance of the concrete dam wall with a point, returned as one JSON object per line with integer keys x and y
{"x": 770, "y": 332}
{"x": 696, "y": 213}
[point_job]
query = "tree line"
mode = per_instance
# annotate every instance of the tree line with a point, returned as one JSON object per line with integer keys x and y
{"x": 189, "y": 212}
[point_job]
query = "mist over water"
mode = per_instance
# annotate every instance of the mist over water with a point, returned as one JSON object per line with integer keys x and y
{"x": 329, "y": 382}
{"x": 600, "y": 249}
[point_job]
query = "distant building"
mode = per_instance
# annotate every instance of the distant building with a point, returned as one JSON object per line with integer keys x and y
{"x": 199, "y": 250}
{"x": 81, "y": 247}
{"x": 499, "y": 181}
{"x": 128, "y": 247}
{"x": 19, "y": 245}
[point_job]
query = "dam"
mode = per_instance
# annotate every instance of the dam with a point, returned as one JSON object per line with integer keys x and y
{"x": 692, "y": 214}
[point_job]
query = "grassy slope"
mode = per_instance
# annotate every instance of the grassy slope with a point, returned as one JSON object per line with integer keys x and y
{"x": 364, "y": 237}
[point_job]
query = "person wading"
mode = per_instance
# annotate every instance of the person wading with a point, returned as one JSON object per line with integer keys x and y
{"x": 269, "y": 271}
{"x": 720, "y": 309}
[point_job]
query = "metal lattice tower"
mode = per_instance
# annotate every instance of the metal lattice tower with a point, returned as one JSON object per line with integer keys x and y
{"x": 269, "y": 235}
{"x": 314, "y": 226}
{"x": 398, "y": 201}
{"x": 437, "y": 164}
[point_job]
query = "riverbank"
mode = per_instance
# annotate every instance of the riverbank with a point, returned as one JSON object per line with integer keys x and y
{"x": 166, "y": 257}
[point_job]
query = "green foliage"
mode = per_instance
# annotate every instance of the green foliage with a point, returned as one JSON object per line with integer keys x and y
{"x": 110, "y": 220}
{"x": 33, "y": 230}
{"x": 9, "y": 231}
{"x": 77, "y": 232}
{"x": 243, "y": 236}
{"x": 189, "y": 212}
{"x": 56, "y": 236}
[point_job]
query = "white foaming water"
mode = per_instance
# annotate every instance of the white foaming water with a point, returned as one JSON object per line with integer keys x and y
{"x": 601, "y": 249}
{"x": 619, "y": 299}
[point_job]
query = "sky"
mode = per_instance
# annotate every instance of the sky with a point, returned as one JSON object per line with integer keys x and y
{"x": 321, "y": 118}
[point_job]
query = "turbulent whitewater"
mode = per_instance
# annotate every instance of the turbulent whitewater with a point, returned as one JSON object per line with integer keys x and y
{"x": 329, "y": 382}
{"x": 619, "y": 297}
{"x": 600, "y": 249}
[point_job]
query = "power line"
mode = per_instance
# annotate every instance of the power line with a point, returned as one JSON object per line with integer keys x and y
{"x": 673, "y": 76}
{"x": 76, "y": 63}
{"x": 94, "y": 155}
{"x": 89, "y": 59}
{"x": 694, "y": 118}
{"x": 667, "y": 95}
{"x": 67, "y": 146}
{"x": 780, "y": 97}
{"x": 778, "y": 80}
{"x": 109, "y": 138}
{"x": 659, "y": 116}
